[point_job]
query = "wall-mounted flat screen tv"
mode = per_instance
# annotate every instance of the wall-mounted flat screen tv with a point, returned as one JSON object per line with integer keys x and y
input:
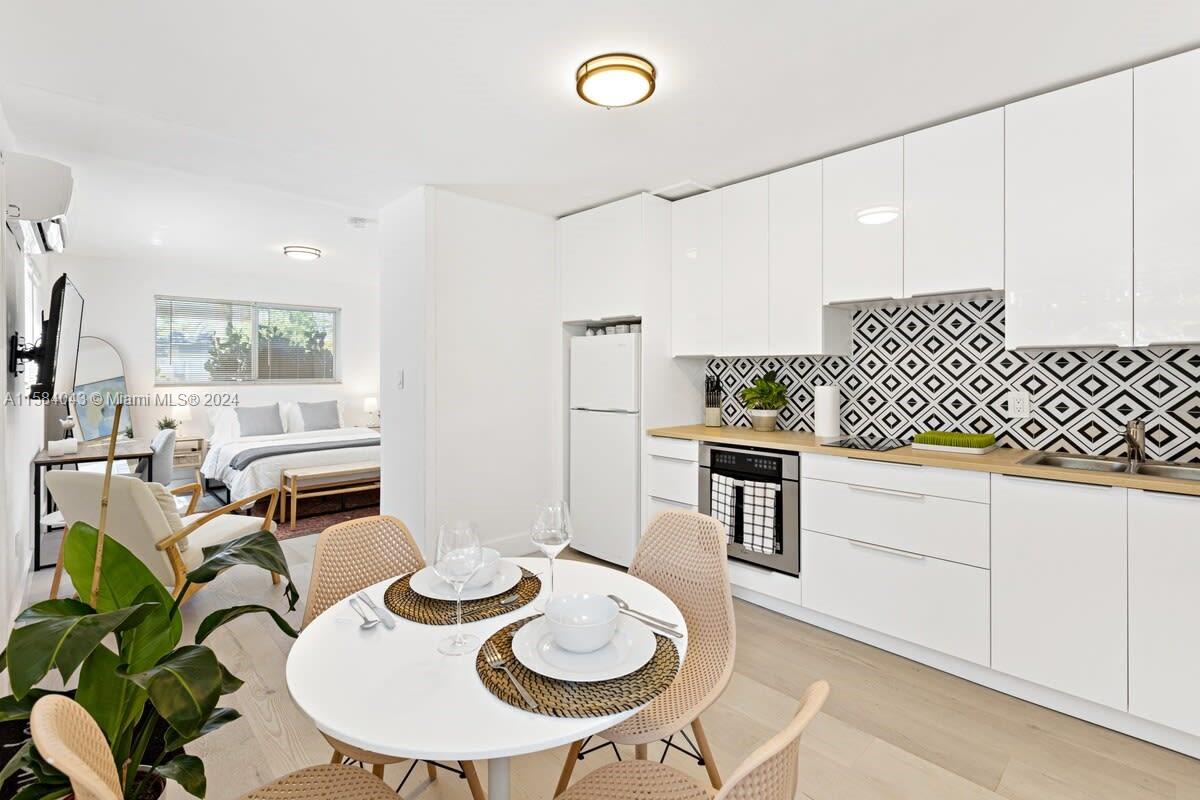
{"x": 60, "y": 342}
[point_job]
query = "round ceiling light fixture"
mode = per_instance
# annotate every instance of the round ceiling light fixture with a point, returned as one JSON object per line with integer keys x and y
{"x": 878, "y": 215}
{"x": 615, "y": 80}
{"x": 301, "y": 253}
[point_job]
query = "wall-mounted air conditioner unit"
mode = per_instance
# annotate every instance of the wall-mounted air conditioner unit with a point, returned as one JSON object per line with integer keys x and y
{"x": 38, "y": 193}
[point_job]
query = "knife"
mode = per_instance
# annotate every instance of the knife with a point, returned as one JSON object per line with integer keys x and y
{"x": 384, "y": 615}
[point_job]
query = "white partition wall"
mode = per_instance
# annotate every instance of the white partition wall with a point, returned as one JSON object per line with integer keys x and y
{"x": 468, "y": 312}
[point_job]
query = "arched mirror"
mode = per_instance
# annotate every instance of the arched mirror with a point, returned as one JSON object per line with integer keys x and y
{"x": 100, "y": 379}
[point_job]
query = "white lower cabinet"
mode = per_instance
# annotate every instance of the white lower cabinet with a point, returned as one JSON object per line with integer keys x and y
{"x": 1059, "y": 586}
{"x": 937, "y": 604}
{"x": 1164, "y": 595}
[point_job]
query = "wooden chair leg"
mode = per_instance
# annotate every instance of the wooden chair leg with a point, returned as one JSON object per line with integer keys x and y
{"x": 58, "y": 568}
{"x": 275, "y": 578}
{"x": 710, "y": 763}
{"x": 431, "y": 771}
{"x": 336, "y": 758}
{"x": 378, "y": 770}
{"x": 639, "y": 751}
{"x": 564, "y": 777}
{"x": 468, "y": 768}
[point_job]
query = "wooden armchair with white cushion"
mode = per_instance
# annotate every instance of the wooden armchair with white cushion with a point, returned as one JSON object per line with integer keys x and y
{"x": 143, "y": 517}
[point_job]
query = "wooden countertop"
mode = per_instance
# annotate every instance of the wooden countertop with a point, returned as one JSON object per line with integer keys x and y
{"x": 1002, "y": 461}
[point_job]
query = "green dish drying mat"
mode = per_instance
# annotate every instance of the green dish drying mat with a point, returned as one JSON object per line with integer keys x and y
{"x": 970, "y": 441}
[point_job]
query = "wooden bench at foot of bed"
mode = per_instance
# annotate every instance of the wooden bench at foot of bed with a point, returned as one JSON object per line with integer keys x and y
{"x": 302, "y": 482}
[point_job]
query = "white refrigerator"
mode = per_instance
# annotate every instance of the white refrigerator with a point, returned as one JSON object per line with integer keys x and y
{"x": 605, "y": 443}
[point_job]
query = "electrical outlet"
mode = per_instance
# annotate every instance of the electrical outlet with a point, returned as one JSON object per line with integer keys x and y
{"x": 1019, "y": 406}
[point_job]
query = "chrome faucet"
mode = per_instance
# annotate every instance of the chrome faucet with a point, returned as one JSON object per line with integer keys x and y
{"x": 1135, "y": 443}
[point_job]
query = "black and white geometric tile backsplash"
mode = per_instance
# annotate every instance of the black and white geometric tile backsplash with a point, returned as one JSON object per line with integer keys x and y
{"x": 943, "y": 366}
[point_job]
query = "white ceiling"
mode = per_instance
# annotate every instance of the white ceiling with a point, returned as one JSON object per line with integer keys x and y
{"x": 355, "y": 102}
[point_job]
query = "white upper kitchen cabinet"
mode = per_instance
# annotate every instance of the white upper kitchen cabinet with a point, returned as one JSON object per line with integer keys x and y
{"x": 1068, "y": 216}
{"x": 1059, "y": 602}
{"x": 954, "y": 206}
{"x": 799, "y": 323}
{"x": 601, "y": 257}
{"x": 696, "y": 280}
{"x": 1166, "y": 163}
{"x": 1164, "y": 641}
{"x": 744, "y": 286}
{"x": 863, "y": 198}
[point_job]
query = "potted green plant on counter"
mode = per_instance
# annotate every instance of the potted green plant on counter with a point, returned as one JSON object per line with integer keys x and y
{"x": 763, "y": 399}
{"x": 150, "y": 695}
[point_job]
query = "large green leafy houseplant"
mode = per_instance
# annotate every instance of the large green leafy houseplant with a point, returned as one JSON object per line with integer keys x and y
{"x": 150, "y": 695}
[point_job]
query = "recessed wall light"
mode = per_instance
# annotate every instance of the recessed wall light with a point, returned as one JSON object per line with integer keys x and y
{"x": 615, "y": 80}
{"x": 301, "y": 253}
{"x": 878, "y": 215}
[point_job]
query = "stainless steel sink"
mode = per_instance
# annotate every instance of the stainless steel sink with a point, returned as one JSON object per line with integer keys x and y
{"x": 1087, "y": 463}
{"x": 1183, "y": 472}
{"x": 1157, "y": 469}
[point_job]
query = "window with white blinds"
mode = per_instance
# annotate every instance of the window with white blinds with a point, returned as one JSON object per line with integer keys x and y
{"x": 218, "y": 341}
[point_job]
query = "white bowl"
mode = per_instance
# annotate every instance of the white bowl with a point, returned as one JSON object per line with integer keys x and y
{"x": 491, "y": 562}
{"x": 582, "y": 623}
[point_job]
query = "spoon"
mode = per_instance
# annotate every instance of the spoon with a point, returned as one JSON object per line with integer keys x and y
{"x": 621, "y": 604}
{"x": 367, "y": 622}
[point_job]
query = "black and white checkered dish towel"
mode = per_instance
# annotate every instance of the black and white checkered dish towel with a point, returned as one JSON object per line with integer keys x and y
{"x": 724, "y": 502}
{"x": 758, "y": 516}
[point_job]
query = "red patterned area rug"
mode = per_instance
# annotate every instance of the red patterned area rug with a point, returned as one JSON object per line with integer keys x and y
{"x": 318, "y": 513}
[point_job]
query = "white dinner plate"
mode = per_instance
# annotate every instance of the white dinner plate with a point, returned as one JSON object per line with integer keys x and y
{"x": 426, "y": 582}
{"x": 630, "y": 649}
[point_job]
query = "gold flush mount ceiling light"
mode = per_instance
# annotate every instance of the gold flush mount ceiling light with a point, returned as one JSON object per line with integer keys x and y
{"x": 301, "y": 253}
{"x": 615, "y": 80}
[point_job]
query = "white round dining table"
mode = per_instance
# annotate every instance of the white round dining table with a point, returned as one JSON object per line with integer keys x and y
{"x": 392, "y": 692}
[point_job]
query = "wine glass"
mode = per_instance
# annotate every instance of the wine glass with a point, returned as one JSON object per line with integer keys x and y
{"x": 459, "y": 557}
{"x": 551, "y": 532}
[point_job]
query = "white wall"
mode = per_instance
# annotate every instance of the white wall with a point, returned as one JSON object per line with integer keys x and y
{"x": 119, "y": 306}
{"x": 478, "y": 389}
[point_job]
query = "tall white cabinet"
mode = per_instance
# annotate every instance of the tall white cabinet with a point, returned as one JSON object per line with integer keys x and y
{"x": 602, "y": 261}
{"x": 863, "y": 257}
{"x": 1166, "y": 162}
{"x": 696, "y": 280}
{"x": 799, "y": 323}
{"x": 1164, "y": 641}
{"x": 1068, "y": 207}
{"x": 744, "y": 287}
{"x": 954, "y": 206}
{"x": 1059, "y": 601}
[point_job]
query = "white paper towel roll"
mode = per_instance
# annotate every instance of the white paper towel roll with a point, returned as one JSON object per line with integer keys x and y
{"x": 828, "y": 404}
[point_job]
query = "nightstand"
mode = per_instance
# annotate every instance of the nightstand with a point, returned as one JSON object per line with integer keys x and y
{"x": 189, "y": 454}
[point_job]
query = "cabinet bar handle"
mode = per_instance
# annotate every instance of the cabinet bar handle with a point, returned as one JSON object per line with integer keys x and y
{"x": 1168, "y": 344}
{"x": 954, "y": 291}
{"x": 889, "y": 550}
{"x": 1095, "y": 346}
{"x": 893, "y": 492}
{"x": 860, "y": 300}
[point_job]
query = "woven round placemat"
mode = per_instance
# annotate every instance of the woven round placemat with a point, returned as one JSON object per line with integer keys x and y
{"x": 402, "y": 601}
{"x": 557, "y": 698}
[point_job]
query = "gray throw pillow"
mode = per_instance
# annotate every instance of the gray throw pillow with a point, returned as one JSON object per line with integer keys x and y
{"x": 259, "y": 420}
{"x": 321, "y": 416}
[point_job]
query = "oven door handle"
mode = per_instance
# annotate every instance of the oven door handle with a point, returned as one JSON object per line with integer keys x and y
{"x": 892, "y": 492}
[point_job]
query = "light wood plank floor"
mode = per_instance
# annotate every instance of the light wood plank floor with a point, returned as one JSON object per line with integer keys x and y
{"x": 892, "y": 730}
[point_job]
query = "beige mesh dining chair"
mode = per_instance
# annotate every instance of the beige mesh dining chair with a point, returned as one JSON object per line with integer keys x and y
{"x": 70, "y": 740}
{"x": 144, "y": 518}
{"x": 351, "y": 556}
{"x": 682, "y": 553}
{"x": 769, "y": 773}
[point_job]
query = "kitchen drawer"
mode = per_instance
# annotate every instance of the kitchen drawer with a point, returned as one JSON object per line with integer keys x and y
{"x": 936, "y": 604}
{"x": 954, "y": 530}
{"x": 957, "y": 484}
{"x": 682, "y": 449}
{"x": 657, "y": 505}
{"x": 675, "y": 480}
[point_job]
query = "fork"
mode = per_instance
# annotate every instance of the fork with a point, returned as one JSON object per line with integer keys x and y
{"x": 496, "y": 662}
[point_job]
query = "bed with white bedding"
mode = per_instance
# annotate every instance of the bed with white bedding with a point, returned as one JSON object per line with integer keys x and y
{"x": 266, "y": 456}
